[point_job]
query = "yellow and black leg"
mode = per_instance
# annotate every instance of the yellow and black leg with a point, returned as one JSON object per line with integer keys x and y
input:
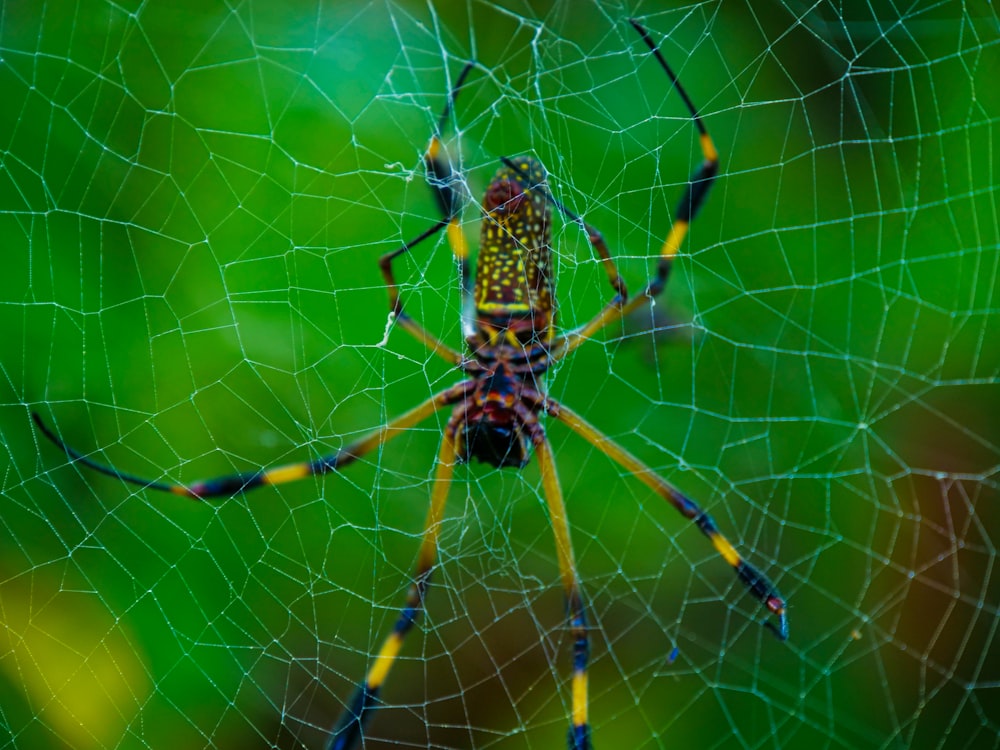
{"x": 444, "y": 182}
{"x": 691, "y": 202}
{"x": 233, "y": 484}
{"x": 351, "y": 725}
{"x": 447, "y": 185}
{"x": 579, "y": 730}
{"x": 758, "y": 584}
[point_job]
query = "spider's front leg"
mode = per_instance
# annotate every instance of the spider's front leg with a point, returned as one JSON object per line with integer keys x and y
{"x": 446, "y": 184}
{"x": 350, "y": 728}
{"x": 756, "y": 582}
{"x": 578, "y": 737}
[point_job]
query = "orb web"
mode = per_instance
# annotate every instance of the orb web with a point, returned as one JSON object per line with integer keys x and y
{"x": 194, "y": 199}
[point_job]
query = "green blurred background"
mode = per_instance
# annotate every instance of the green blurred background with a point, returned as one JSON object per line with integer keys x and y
{"x": 193, "y": 197}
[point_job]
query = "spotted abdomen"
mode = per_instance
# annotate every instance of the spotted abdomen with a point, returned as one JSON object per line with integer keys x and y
{"x": 514, "y": 270}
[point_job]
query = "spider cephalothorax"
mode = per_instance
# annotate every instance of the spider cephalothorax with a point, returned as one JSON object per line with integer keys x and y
{"x": 493, "y": 422}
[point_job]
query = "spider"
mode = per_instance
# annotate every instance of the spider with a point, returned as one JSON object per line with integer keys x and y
{"x": 508, "y": 321}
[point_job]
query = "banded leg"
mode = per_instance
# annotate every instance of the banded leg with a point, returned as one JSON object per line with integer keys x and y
{"x": 579, "y": 731}
{"x": 758, "y": 583}
{"x": 351, "y": 725}
{"x": 442, "y": 180}
{"x": 233, "y": 484}
{"x": 446, "y": 183}
{"x": 691, "y": 202}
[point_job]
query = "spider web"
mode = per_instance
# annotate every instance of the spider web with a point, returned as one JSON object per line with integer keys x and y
{"x": 193, "y": 198}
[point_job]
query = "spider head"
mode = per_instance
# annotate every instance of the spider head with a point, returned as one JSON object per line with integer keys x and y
{"x": 495, "y": 444}
{"x": 492, "y": 432}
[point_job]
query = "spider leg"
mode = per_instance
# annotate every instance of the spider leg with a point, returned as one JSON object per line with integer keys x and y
{"x": 691, "y": 202}
{"x": 230, "y": 485}
{"x": 351, "y": 724}
{"x": 579, "y": 731}
{"x": 446, "y": 183}
{"x": 411, "y": 326}
{"x": 758, "y": 583}
{"x": 442, "y": 179}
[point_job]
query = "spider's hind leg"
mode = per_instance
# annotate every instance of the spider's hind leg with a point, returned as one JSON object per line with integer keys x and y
{"x": 442, "y": 179}
{"x": 690, "y": 204}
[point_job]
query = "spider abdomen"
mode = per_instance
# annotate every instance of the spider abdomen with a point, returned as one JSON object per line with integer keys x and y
{"x": 513, "y": 271}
